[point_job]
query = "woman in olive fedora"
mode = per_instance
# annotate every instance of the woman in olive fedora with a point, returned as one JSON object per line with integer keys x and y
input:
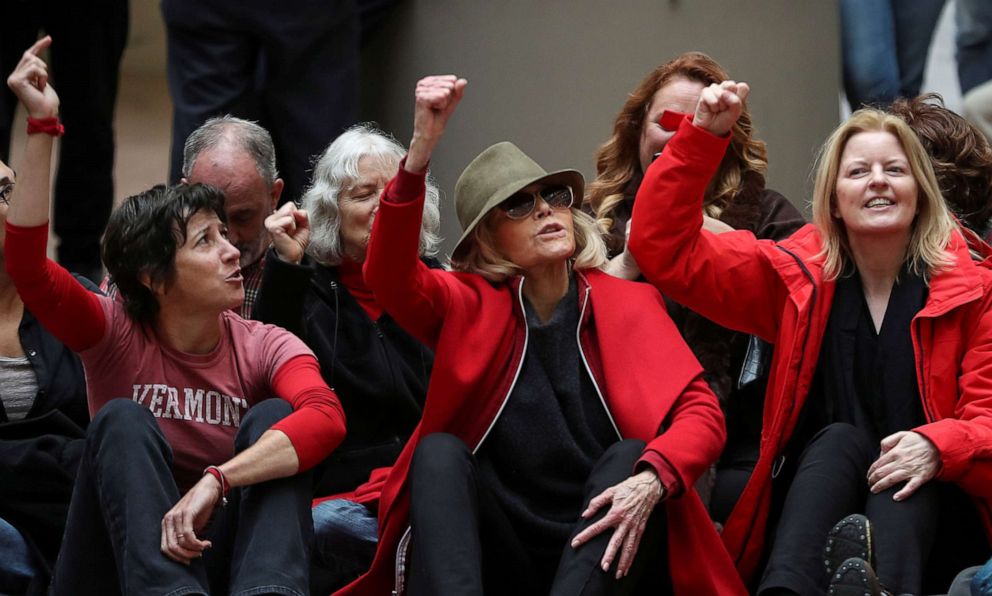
{"x": 566, "y": 421}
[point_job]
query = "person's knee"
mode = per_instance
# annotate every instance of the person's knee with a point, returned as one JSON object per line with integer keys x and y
{"x": 260, "y": 418}
{"x": 341, "y": 523}
{"x": 843, "y": 440}
{"x": 438, "y": 455}
{"x": 842, "y": 436}
{"x": 627, "y": 448}
{"x": 120, "y": 418}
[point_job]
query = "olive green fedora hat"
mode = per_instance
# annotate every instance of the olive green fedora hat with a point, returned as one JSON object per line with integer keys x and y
{"x": 493, "y": 176}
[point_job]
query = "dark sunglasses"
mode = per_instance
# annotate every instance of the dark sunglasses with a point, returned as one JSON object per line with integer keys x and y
{"x": 521, "y": 204}
{"x": 6, "y": 191}
{"x": 670, "y": 121}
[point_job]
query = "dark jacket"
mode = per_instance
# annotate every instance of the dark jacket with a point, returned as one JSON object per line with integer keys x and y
{"x": 39, "y": 455}
{"x": 379, "y": 372}
{"x": 781, "y": 296}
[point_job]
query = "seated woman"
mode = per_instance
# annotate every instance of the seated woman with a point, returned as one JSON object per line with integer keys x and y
{"x": 565, "y": 421}
{"x": 960, "y": 155}
{"x": 377, "y": 369}
{"x": 733, "y": 363}
{"x": 192, "y": 378}
{"x": 878, "y": 400}
{"x": 42, "y": 420}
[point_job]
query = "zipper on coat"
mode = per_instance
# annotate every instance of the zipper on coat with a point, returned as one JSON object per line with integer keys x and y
{"x": 516, "y": 375}
{"x": 812, "y": 305}
{"x": 402, "y": 550}
{"x": 399, "y": 567}
{"x": 922, "y": 377}
{"x": 578, "y": 340}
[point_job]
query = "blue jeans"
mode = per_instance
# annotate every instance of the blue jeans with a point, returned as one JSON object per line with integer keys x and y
{"x": 885, "y": 45}
{"x": 345, "y": 538}
{"x": 974, "y": 43}
{"x": 17, "y": 563}
{"x": 981, "y": 583}
{"x": 124, "y": 487}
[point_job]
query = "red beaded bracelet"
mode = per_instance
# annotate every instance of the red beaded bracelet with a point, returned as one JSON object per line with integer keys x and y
{"x": 49, "y": 126}
{"x": 224, "y": 486}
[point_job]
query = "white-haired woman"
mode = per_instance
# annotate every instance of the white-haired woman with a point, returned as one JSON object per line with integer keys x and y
{"x": 313, "y": 287}
{"x": 878, "y": 405}
{"x": 566, "y": 421}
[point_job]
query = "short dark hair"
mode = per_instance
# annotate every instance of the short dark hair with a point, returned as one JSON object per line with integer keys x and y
{"x": 960, "y": 154}
{"x": 143, "y": 235}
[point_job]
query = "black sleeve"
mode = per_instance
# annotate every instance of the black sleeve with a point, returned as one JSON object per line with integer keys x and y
{"x": 280, "y": 299}
{"x": 779, "y": 217}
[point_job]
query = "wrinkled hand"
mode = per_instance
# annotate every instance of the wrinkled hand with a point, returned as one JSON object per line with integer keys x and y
{"x": 719, "y": 106}
{"x": 906, "y": 456}
{"x": 289, "y": 229}
{"x": 29, "y": 82}
{"x": 186, "y": 518}
{"x": 631, "y": 504}
{"x": 436, "y": 98}
{"x": 623, "y": 265}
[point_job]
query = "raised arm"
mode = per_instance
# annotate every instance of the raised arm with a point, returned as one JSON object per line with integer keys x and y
{"x": 286, "y": 278}
{"x": 63, "y": 306}
{"x": 408, "y": 290}
{"x": 727, "y": 278}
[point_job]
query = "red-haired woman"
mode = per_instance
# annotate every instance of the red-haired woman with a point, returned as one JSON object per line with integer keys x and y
{"x": 736, "y": 200}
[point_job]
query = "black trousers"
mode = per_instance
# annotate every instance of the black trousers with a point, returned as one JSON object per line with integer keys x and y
{"x": 831, "y": 483}
{"x": 88, "y": 42}
{"x": 261, "y": 540}
{"x": 295, "y": 70}
{"x": 462, "y": 543}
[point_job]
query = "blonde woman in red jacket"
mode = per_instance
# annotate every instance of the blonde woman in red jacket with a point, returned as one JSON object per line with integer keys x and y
{"x": 879, "y": 397}
{"x": 540, "y": 465}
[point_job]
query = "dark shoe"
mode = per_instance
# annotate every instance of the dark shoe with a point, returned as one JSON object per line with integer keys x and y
{"x": 850, "y": 538}
{"x": 855, "y": 577}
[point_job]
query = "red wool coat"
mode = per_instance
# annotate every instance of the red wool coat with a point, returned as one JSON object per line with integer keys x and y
{"x": 777, "y": 292}
{"x": 646, "y": 374}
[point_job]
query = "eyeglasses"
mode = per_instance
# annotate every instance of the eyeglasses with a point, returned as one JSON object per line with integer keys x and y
{"x": 6, "y": 191}
{"x": 521, "y": 204}
{"x": 670, "y": 121}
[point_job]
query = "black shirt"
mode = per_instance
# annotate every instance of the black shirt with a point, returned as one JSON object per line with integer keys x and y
{"x": 550, "y": 434}
{"x": 868, "y": 378}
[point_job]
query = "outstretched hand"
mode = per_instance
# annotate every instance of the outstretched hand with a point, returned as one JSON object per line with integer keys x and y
{"x": 436, "y": 98}
{"x": 719, "y": 106}
{"x": 29, "y": 82}
{"x": 631, "y": 504}
{"x": 289, "y": 229}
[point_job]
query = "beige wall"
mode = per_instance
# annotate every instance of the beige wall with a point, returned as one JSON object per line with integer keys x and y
{"x": 551, "y": 75}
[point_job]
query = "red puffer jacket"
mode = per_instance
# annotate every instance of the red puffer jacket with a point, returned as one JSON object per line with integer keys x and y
{"x": 777, "y": 291}
{"x": 646, "y": 375}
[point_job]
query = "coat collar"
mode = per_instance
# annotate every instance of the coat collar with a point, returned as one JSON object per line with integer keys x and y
{"x": 956, "y": 285}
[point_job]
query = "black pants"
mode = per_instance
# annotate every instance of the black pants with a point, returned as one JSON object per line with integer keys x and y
{"x": 831, "y": 483}
{"x": 295, "y": 70}
{"x": 88, "y": 41}
{"x": 261, "y": 540}
{"x": 462, "y": 543}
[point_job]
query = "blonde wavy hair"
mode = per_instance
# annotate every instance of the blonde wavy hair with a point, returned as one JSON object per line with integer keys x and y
{"x": 617, "y": 163}
{"x": 481, "y": 257}
{"x": 926, "y": 253}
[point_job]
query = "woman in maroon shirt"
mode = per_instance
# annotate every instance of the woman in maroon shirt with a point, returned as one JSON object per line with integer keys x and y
{"x": 192, "y": 370}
